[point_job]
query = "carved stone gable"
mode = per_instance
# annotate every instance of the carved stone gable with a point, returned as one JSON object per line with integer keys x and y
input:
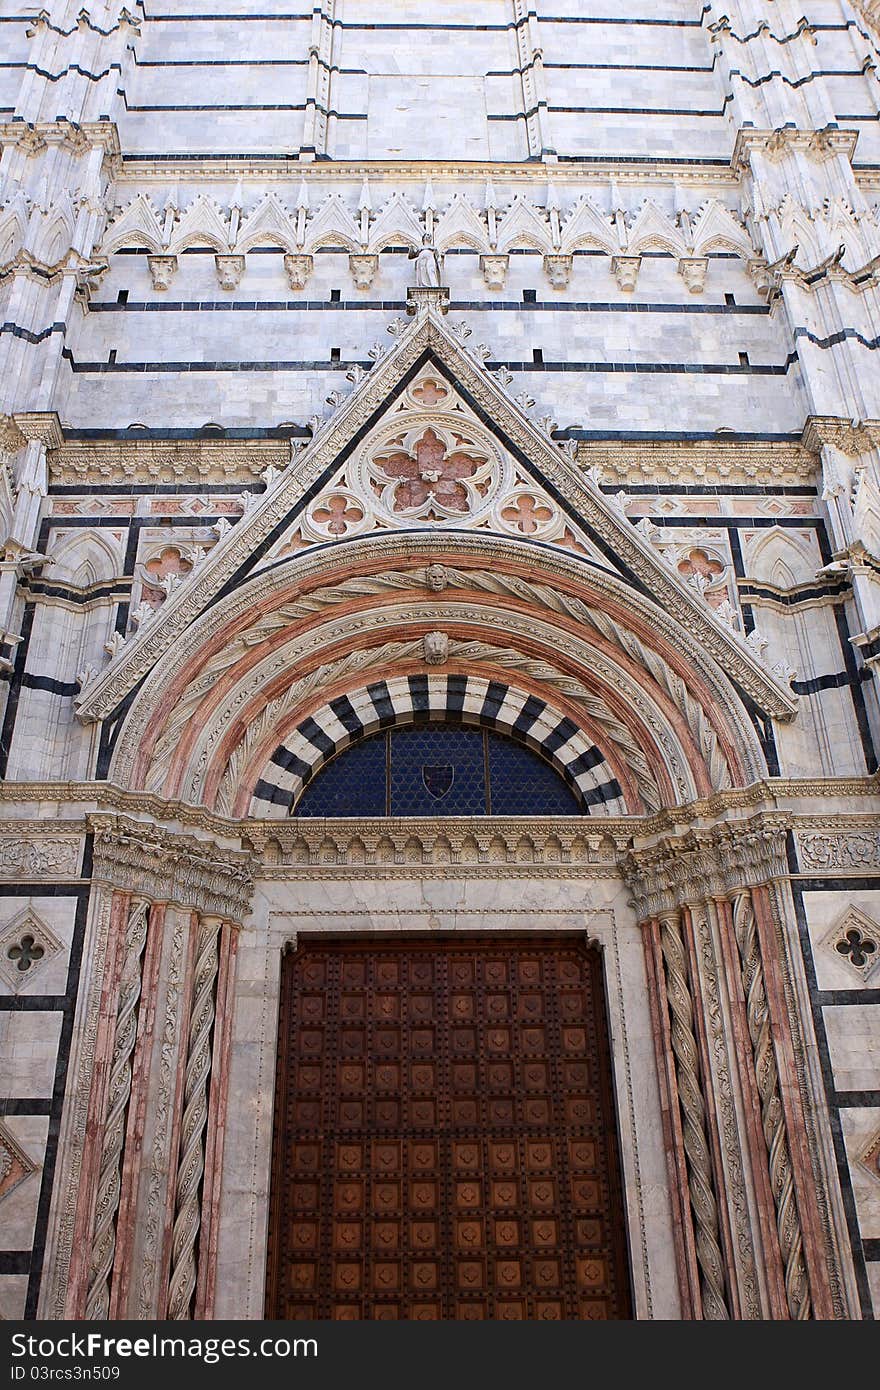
{"x": 431, "y": 463}
{"x": 427, "y": 474}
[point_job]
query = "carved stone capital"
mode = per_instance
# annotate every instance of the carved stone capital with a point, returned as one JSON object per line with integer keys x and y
{"x": 851, "y": 437}
{"x": 141, "y": 857}
{"x": 776, "y": 144}
{"x": 43, "y": 426}
{"x": 420, "y": 299}
{"x": 715, "y": 862}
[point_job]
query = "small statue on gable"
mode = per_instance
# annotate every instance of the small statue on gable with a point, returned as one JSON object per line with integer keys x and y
{"x": 427, "y": 259}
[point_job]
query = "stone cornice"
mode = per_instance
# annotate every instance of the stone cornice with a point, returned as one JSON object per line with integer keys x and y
{"x": 165, "y": 460}
{"x": 69, "y": 807}
{"x": 852, "y": 437}
{"x": 664, "y": 865}
{"x": 775, "y": 144}
{"x": 135, "y": 170}
{"x": 713, "y": 462}
{"x": 141, "y": 857}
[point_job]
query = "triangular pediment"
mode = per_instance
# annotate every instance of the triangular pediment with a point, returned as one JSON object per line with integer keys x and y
{"x": 430, "y": 439}
{"x": 429, "y": 463}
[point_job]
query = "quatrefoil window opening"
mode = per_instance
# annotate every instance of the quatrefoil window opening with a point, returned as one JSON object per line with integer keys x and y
{"x": 859, "y": 949}
{"x": 25, "y": 952}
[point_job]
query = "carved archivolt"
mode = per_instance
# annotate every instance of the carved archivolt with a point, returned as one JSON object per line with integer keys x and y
{"x": 629, "y": 699}
{"x": 254, "y": 652}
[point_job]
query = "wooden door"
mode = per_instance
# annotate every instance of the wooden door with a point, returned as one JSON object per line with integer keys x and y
{"x": 444, "y": 1141}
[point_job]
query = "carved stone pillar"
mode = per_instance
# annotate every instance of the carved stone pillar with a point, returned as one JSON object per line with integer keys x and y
{"x": 701, "y": 1190}
{"x": 788, "y": 1225}
{"x": 166, "y": 896}
{"x": 191, "y": 1160}
{"x": 728, "y": 958}
{"x": 103, "y": 1245}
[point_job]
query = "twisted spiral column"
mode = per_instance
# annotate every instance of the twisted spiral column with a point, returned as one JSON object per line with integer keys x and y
{"x": 788, "y": 1226}
{"x": 191, "y": 1163}
{"x": 110, "y": 1172}
{"x": 694, "y": 1132}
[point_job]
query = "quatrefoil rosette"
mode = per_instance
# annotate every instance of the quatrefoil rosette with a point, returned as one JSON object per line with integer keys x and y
{"x": 425, "y": 468}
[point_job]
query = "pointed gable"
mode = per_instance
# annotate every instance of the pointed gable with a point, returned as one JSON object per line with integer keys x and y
{"x": 430, "y": 438}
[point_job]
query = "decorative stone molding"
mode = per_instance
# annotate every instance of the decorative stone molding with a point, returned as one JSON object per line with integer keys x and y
{"x": 494, "y": 268}
{"x": 471, "y": 220}
{"x": 162, "y": 270}
{"x": 230, "y": 269}
{"x": 558, "y": 268}
{"x": 692, "y": 270}
{"x": 26, "y": 947}
{"x": 505, "y": 846}
{"x": 142, "y": 858}
{"x": 625, "y": 270}
{"x": 363, "y": 269}
{"x": 26, "y": 852}
{"x": 839, "y": 851}
{"x": 298, "y": 269}
{"x": 717, "y": 861}
{"x": 869, "y": 1157}
{"x": 776, "y": 144}
{"x": 162, "y": 460}
{"x": 616, "y": 463}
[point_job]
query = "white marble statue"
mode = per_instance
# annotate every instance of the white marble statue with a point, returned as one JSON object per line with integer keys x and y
{"x": 427, "y": 259}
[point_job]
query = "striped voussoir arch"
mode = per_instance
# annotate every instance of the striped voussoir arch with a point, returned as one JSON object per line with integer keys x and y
{"x": 456, "y": 699}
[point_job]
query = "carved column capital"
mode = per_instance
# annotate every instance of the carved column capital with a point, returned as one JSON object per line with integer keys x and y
{"x": 141, "y": 857}
{"x": 714, "y": 862}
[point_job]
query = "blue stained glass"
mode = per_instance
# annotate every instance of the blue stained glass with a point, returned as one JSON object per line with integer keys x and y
{"x": 524, "y": 785}
{"x": 351, "y": 784}
{"x": 437, "y": 770}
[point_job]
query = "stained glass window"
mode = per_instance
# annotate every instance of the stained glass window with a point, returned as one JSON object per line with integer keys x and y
{"x": 437, "y": 769}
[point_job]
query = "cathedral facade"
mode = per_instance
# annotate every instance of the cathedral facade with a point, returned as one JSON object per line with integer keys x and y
{"x": 440, "y": 495}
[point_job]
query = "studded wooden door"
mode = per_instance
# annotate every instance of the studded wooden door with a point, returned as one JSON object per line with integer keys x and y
{"x": 444, "y": 1134}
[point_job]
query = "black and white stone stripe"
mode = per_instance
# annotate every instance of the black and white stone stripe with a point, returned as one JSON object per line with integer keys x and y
{"x": 465, "y": 699}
